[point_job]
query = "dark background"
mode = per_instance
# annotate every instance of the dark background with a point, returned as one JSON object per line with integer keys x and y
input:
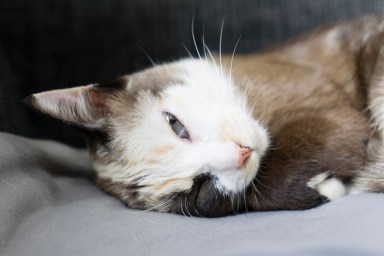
{"x": 50, "y": 44}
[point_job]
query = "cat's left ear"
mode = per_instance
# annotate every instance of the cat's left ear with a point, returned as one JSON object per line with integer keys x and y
{"x": 83, "y": 106}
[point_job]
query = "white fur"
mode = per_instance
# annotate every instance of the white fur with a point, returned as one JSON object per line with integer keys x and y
{"x": 332, "y": 188}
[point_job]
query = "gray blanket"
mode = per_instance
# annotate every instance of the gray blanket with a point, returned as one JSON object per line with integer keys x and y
{"x": 49, "y": 206}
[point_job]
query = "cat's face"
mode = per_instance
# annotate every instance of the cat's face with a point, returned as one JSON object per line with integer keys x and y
{"x": 174, "y": 138}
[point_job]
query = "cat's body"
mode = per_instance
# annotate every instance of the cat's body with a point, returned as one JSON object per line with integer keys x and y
{"x": 287, "y": 128}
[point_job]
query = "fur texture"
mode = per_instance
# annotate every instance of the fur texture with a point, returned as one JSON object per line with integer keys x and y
{"x": 288, "y": 128}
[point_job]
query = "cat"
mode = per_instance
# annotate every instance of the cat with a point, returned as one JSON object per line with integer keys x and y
{"x": 290, "y": 127}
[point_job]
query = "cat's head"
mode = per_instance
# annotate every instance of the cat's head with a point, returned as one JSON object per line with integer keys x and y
{"x": 174, "y": 138}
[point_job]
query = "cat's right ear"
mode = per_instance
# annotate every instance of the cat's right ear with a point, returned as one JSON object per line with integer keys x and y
{"x": 83, "y": 106}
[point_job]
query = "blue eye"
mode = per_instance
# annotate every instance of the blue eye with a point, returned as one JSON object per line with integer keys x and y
{"x": 176, "y": 126}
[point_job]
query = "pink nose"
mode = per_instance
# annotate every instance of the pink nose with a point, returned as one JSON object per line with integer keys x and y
{"x": 243, "y": 154}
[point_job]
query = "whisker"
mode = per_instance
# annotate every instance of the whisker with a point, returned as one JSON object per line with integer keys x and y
{"x": 197, "y": 212}
{"x": 189, "y": 53}
{"x": 146, "y": 54}
{"x": 246, "y": 94}
{"x": 255, "y": 189}
{"x": 245, "y": 200}
{"x": 220, "y": 46}
{"x": 203, "y": 40}
{"x": 253, "y": 107}
{"x": 186, "y": 207}
{"x": 261, "y": 184}
{"x": 193, "y": 37}
{"x": 181, "y": 208}
{"x": 159, "y": 204}
{"x": 213, "y": 60}
{"x": 162, "y": 204}
{"x": 258, "y": 192}
{"x": 231, "y": 65}
{"x": 232, "y": 203}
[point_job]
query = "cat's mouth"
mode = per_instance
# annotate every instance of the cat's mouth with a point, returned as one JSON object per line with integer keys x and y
{"x": 206, "y": 200}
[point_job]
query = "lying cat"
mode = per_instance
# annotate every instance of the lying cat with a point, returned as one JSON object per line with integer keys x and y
{"x": 288, "y": 128}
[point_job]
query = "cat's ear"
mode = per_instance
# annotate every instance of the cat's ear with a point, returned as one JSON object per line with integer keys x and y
{"x": 83, "y": 106}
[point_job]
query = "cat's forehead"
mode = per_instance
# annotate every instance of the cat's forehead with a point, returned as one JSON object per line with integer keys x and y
{"x": 203, "y": 88}
{"x": 179, "y": 84}
{"x": 199, "y": 74}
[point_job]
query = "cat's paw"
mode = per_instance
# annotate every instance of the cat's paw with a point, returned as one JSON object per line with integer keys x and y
{"x": 328, "y": 186}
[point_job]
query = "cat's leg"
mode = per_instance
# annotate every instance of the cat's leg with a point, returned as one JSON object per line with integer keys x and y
{"x": 313, "y": 160}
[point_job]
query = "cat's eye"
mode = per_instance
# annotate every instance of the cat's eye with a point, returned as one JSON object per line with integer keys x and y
{"x": 177, "y": 127}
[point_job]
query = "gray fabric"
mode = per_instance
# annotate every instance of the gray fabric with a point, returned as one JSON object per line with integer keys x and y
{"x": 45, "y": 214}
